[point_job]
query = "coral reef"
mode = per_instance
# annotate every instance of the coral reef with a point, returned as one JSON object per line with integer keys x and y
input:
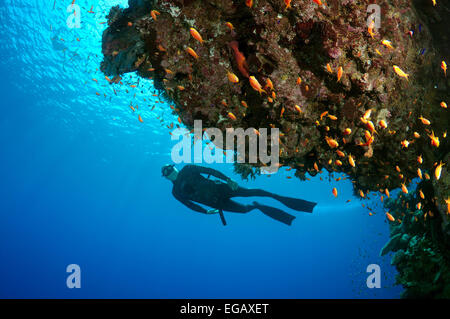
{"x": 421, "y": 248}
{"x": 327, "y": 83}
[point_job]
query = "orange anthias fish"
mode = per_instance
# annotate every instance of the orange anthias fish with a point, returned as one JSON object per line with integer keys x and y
{"x": 154, "y": 14}
{"x": 419, "y": 159}
{"x": 269, "y": 84}
{"x": 192, "y": 52}
{"x": 387, "y": 44}
{"x": 443, "y": 105}
{"x": 404, "y": 189}
{"x": 367, "y": 135}
{"x": 438, "y": 170}
{"x": 329, "y": 69}
{"x": 339, "y": 74}
{"x": 434, "y": 139}
{"x": 331, "y": 142}
{"x": 405, "y": 143}
{"x": 316, "y": 167}
{"x": 366, "y": 116}
{"x": 249, "y": 3}
{"x": 240, "y": 59}
{"x": 444, "y": 67}
{"x": 383, "y": 124}
{"x": 318, "y": 2}
{"x": 370, "y": 126}
{"x": 229, "y": 26}
{"x": 335, "y": 192}
{"x": 196, "y": 35}
{"x": 255, "y": 85}
{"x": 421, "y": 194}
{"x": 369, "y": 141}
{"x": 140, "y": 119}
{"x": 424, "y": 120}
{"x": 390, "y": 217}
{"x": 233, "y": 78}
{"x": 351, "y": 161}
{"x": 400, "y": 72}
{"x": 370, "y": 28}
{"x": 232, "y": 116}
{"x": 288, "y": 4}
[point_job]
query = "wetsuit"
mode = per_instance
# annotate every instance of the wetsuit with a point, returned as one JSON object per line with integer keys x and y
{"x": 193, "y": 184}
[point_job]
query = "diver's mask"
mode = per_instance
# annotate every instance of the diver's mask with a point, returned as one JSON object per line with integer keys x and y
{"x": 169, "y": 171}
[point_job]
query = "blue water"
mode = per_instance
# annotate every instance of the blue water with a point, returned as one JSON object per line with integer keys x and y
{"x": 80, "y": 183}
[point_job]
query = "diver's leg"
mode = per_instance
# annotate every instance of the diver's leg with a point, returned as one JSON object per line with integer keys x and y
{"x": 250, "y": 192}
{"x": 234, "y": 207}
{"x": 293, "y": 203}
{"x": 275, "y": 213}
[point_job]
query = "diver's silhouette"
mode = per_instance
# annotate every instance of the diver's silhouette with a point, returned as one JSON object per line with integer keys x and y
{"x": 189, "y": 186}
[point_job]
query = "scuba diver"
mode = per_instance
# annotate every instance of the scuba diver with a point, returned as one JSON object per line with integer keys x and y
{"x": 189, "y": 186}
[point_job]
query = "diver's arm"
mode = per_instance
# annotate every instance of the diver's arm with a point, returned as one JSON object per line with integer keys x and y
{"x": 188, "y": 203}
{"x": 209, "y": 171}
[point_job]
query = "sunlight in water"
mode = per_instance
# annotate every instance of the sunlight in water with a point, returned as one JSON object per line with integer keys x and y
{"x": 65, "y": 61}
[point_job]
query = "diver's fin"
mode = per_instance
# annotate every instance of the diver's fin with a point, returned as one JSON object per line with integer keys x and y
{"x": 296, "y": 203}
{"x": 275, "y": 213}
{"x": 222, "y": 217}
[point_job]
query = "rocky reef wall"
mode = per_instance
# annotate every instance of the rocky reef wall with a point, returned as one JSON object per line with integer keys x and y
{"x": 346, "y": 97}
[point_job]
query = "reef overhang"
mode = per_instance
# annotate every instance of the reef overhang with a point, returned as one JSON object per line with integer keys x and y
{"x": 329, "y": 85}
